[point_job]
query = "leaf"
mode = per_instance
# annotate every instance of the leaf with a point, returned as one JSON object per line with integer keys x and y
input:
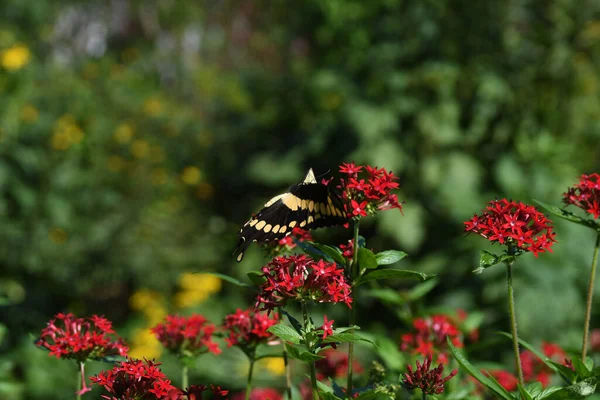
{"x": 333, "y": 252}
{"x": 285, "y": 333}
{"x": 346, "y": 337}
{"x": 422, "y": 289}
{"x": 314, "y": 252}
{"x": 524, "y": 393}
{"x": 231, "y": 280}
{"x": 474, "y": 372}
{"x": 388, "y": 257}
{"x": 386, "y": 295}
{"x": 531, "y": 348}
{"x": 569, "y": 216}
{"x": 486, "y": 260}
{"x": 295, "y": 323}
{"x": 302, "y": 354}
{"x": 390, "y": 273}
{"x": 577, "y": 390}
{"x": 366, "y": 258}
{"x": 257, "y": 278}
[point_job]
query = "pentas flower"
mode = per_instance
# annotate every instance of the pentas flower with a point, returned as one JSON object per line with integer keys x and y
{"x": 430, "y": 381}
{"x": 335, "y": 364}
{"x": 506, "y": 379}
{"x": 367, "y": 190}
{"x": 327, "y": 327}
{"x": 585, "y": 194}
{"x": 199, "y": 392}
{"x": 535, "y": 370}
{"x": 300, "y": 278}
{"x": 134, "y": 379}
{"x": 69, "y": 337}
{"x": 248, "y": 329}
{"x": 348, "y": 249}
{"x": 288, "y": 243}
{"x": 514, "y": 224}
{"x": 187, "y": 336}
{"x": 429, "y": 337}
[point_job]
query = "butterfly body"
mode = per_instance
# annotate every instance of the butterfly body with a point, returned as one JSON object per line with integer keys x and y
{"x": 307, "y": 205}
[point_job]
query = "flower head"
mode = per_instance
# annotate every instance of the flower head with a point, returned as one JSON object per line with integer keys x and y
{"x": 535, "y": 369}
{"x": 69, "y": 337}
{"x": 327, "y": 327}
{"x": 585, "y": 194}
{"x": 429, "y": 337}
{"x": 368, "y": 191}
{"x": 134, "y": 379}
{"x": 288, "y": 243}
{"x": 197, "y": 392}
{"x": 301, "y": 278}
{"x": 430, "y": 381}
{"x": 187, "y": 335}
{"x": 514, "y": 224}
{"x": 247, "y": 329}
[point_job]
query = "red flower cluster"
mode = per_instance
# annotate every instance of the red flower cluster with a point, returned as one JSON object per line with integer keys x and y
{"x": 134, "y": 379}
{"x": 513, "y": 224}
{"x": 430, "y": 381}
{"x": 348, "y": 249}
{"x": 260, "y": 394}
{"x": 300, "y": 277}
{"x": 430, "y": 337}
{"x": 69, "y": 337}
{"x": 287, "y": 243}
{"x": 335, "y": 364}
{"x": 367, "y": 197}
{"x": 187, "y": 335}
{"x": 585, "y": 195}
{"x": 197, "y": 392}
{"x": 248, "y": 328}
{"x": 507, "y": 380}
{"x": 534, "y": 369}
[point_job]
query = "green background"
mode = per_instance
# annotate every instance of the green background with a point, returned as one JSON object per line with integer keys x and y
{"x": 136, "y": 137}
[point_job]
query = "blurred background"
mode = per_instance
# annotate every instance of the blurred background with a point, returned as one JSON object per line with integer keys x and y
{"x": 137, "y": 136}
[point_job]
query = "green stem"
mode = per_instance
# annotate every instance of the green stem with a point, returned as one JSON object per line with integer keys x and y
{"x": 249, "y": 384}
{"x": 354, "y": 275}
{"x": 590, "y": 293}
{"x": 311, "y": 365}
{"x": 513, "y": 321}
{"x": 424, "y": 395}
{"x": 79, "y": 381}
{"x": 288, "y": 371}
{"x": 184, "y": 377}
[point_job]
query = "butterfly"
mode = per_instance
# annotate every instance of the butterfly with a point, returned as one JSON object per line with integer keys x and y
{"x": 307, "y": 205}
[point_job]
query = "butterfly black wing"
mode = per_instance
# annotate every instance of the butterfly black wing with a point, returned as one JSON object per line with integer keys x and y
{"x": 306, "y": 205}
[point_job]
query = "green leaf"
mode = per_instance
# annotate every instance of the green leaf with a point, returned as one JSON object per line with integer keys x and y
{"x": 486, "y": 260}
{"x": 314, "y": 252}
{"x": 295, "y": 323}
{"x": 524, "y": 393}
{"x": 257, "y": 278}
{"x": 569, "y": 216}
{"x": 535, "y": 351}
{"x": 285, "y": 333}
{"x": 422, "y": 289}
{"x": 323, "y": 388}
{"x": 333, "y": 252}
{"x": 366, "y": 258}
{"x": 386, "y": 295}
{"x": 302, "y": 354}
{"x": 584, "y": 370}
{"x": 389, "y": 257}
{"x": 390, "y": 273}
{"x": 474, "y": 372}
{"x": 231, "y": 280}
{"x": 346, "y": 337}
{"x": 579, "y": 390}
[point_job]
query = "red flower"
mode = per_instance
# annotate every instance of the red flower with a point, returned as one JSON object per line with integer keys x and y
{"x": 430, "y": 381}
{"x": 187, "y": 335}
{"x": 348, "y": 249}
{"x": 515, "y": 224}
{"x": 327, "y": 327}
{"x": 134, "y": 379}
{"x": 69, "y": 337}
{"x": 197, "y": 392}
{"x": 535, "y": 369}
{"x": 248, "y": 328}
{"x": 430, "y": 336}
{"x": 260, "y": 394}
{"x": 368, "y": 194}
{"x": 585, "y": 194}
{"x": 301, "y": 278}
{"x": 507, "y": 380}
{"x": 287, "y": 243}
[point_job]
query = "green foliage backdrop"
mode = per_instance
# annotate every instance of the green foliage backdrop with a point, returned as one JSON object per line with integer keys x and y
{"x": 135, "y": 138}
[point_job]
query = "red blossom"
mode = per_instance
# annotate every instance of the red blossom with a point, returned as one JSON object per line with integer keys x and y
{"x": 535, "y": 370}
{"x": 430, "y": 381}
{"x": 198, "y": 392}
{"x": 187, "y": 335}
{"x": 301, "y": 278}
{"x": 369, "y": 193}
{"x": 327, "y": 327}
{"x": 585, "y": 194}
{"x": 287, "y": 243}
{"x": 507, "y": 380}
{"x": 429, "y": 337}
{"x": 514, "y": 223}
{"x": 248, "y": 328}
{"x": 348, "y": 249}
{"x": 69, "y": 337}
{"x": 134, "y": 379}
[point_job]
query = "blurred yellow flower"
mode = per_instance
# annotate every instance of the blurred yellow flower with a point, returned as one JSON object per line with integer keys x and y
{"x": 123, "y": 133}
{"x": 29, "y": 114}
{"x": 66, "y": 133}
{"x": 152, "y": 106}
{"x": 155, "y": 314}
{"x": 191, "y": 175}
{"x": 189, "y": 298}
{"x": 144, "y": 298}
{"x": 15, "y": 57}
{"x": 140, "y": 148}
{"x": 57, "y": 235}
{"x": 145, "y": 344}
{"x": 275, "y": 365}
{"x": 205, "y": 282}
{"x": 204, "y": 191}
{"x": 116, "y": 163}
{"x": 159, "y": 176}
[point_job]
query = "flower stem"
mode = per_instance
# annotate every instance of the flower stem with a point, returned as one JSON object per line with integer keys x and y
{"x": 288, "y": 371}
{"x": 513, "y": 321}
{"x": 249, "y": 384}
{"x": 79, "y": 380}
{"x": 424, "y": 395}
{"x": 588, "y": 309}
{"x": 311, "y": 365}
{"x": 354, "y": 275}
{"x": 184, "y": 377}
